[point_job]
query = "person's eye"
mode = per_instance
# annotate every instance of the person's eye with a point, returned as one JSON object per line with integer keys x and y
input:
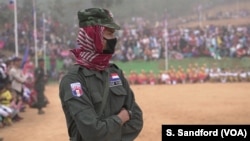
{"x": 111, "y": 33}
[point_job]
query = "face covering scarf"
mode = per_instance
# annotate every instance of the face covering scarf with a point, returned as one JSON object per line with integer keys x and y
{"x": 90, "y": 52}
{"x": 110, "y": 46}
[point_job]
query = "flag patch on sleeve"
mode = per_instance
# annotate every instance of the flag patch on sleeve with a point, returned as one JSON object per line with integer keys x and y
{"x": 76, "y": 89}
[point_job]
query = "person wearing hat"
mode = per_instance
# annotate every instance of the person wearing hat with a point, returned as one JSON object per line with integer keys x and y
{"x": 96, "y": 98}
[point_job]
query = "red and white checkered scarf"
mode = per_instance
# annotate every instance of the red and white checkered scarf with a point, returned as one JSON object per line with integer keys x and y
{"x": 89, "y": 54}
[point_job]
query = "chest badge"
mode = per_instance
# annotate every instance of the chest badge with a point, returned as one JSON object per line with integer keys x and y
{"x": 76, "y": 89}
{"x": 114, "y": 80}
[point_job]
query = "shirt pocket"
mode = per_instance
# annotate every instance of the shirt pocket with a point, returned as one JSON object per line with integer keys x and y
{"x": 96, "y": 99}
{"x": 117, "y": 98}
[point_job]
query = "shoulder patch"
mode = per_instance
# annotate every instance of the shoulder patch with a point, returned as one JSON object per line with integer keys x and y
{"x": 76, "y": 89}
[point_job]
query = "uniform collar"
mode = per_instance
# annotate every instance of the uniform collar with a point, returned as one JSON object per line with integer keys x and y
{"x": 88, "y": 72}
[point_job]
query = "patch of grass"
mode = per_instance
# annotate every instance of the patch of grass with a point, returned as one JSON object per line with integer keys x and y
{"x": 139, "y": 65}
{"x": 159, "y": 65}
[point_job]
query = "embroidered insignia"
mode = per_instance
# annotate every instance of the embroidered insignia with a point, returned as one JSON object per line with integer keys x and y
{"x": 114, "y": 76}
{"x": 114, "y": 80}
{"x": 76, "y": 89}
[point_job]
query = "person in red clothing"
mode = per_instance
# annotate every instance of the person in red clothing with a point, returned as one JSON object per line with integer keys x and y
{"x": 142, "y": 77}
{"x": 202, "y": 75}
{"x": 132, "y": 77}
{"x": 182, "y": 76}
{"x": 173, "y": 76}
{"x": 28, "y": 67}
{"x": 152, "y": 79}
{"x": 191, "y": 76}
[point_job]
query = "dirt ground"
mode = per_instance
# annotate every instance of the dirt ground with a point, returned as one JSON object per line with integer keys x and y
{"x": 161, "y": 104}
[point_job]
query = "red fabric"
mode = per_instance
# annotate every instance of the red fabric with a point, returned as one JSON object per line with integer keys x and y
{"x": 132, "y": 78}
{"x": 89, "y": 54}
{"x": 1, "y": 44}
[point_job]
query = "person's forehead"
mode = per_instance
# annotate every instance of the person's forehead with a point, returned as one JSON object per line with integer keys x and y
{"x": 109, "y": 29}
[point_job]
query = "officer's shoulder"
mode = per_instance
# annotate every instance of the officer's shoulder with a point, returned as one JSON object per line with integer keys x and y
{"x": 112, "y": 65}
{"x": 74, "y": 69}
{"x": 78, "y": 69}
{"x": 71, "y": 73}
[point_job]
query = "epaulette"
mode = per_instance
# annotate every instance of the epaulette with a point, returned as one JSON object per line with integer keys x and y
{"x": 74, "y": 69}
{"x": 114, "y": 65}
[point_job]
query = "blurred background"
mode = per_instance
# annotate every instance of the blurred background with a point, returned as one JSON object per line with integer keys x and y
{"x": 155, "y": 36}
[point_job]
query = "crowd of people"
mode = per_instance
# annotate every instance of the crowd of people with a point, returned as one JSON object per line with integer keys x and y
{"x": 19, "y": 89}
{"x": 58, "y": 37}
{"x": 193, "y": 74}
{"x": 202, "y": 13}
{"x": 139, "y": 39}
{"x": 148, "y": 41}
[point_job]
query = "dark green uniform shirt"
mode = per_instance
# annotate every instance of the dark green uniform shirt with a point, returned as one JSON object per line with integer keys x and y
{"x": 39, "y": 77}
{"x": 81, "y": 93}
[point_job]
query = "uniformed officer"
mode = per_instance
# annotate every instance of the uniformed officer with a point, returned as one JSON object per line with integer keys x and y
{"x": 40, "y": 81}
{"x": 96, "y": 98}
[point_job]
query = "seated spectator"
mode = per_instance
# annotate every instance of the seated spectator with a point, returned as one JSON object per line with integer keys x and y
{"x": 195, "y": 75}
{"x": 173, "y": 76}
{"x": 142, "y": 77}
{"x": 202, "y": 75}
{"x": 152, "y": 80}
{"x": 182, "y": 76}
{"x": 130, "y": 54}
{"x": 243, "y": 76}
{"x": 241, "y": 52}
{"x": 213, "y": 75}
{"x": 165, "y": 78}
{"x": 214, "y": 52}
{"x": 175, "y": 55}
{"x": 6, "y": 100}
{"x": 223, "y": 75}
{"x": 233, "y": 76}
{"x": 132, "y": 77}
{"x": 187, "y": 52}
{"x": 6, "y": 113}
